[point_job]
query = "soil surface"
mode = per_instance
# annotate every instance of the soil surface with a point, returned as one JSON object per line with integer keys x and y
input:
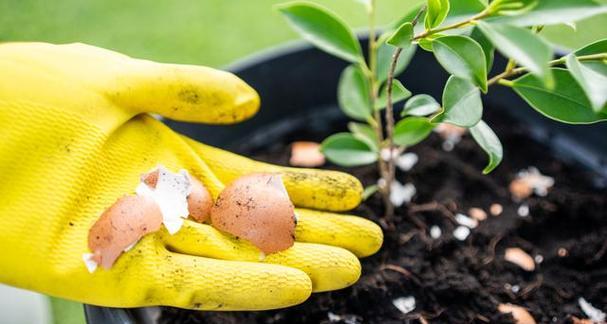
{"x": 456, "y": 281}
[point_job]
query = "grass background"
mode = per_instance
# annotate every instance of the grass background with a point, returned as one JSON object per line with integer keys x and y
{"x": 208, "y": 32}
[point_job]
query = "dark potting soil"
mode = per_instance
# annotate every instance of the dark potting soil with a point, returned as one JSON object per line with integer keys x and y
{"x": 457, "y": 281}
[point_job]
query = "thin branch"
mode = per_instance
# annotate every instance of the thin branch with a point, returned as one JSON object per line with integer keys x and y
{"x": 520, "y": 70}
{"x": 390, "y": 125}
{"x": 418, "y": 15}
{"x": 463, "y": 23}
{"x": 390, "y": 170}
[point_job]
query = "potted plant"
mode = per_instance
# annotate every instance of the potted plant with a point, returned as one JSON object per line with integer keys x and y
{"x": 525, "y": 241}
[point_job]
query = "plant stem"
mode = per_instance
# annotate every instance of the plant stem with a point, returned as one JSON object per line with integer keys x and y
{"x": 520, "y": 70}
{"x": 463, "y": 23}
{"x": 390, "y": 128}
{"x": 391, "y": 170}
{"x": 373, "y": 88}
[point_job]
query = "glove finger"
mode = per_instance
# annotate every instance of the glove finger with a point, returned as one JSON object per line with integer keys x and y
{"x": 356, "y": 234}
{"x": 184, "y": 92}
{"x": 311, "y": 188}
{"x": 328, "y": 267}
{"x": 194, "y": 282}
{"x": 180, "y": 92}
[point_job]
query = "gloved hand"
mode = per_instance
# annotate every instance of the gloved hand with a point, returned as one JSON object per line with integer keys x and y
{"x": 75, "y": 136}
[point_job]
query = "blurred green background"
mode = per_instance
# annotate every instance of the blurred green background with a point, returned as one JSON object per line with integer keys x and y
{"x": 209, "y": 32}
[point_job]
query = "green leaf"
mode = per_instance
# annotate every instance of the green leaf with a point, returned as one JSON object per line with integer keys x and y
{"x": 551, "y": 12}
{"x": 399, "y": 93}
{"x": 420, "y": 105}
{"x": 488, "y": 48}
{"x": 353, "y": 93}
{"x": 511, "y": 7}
{"x": 365, "y": 133}
{"x": 566, "y": 102}
{"x": 462, "y": 105}
{"x": 384, "y": 58}
{"x": 322, "y": 28}
{"x": 597, "y": 47}
{"x": 592, "y": 81}
{"x": 488, "y": 141}
{"x": 522, "y": 45}
{"x": 462, "y": 57}
{"x": 402, "y": 36}
{"x": 346, "y": 150}
{"x": 436, "y": 12}
{"x": 464, "y": 8}
{"x": 369, "y": 191}
{"x": 412, "y": 130}
{"x": 461, "y": 10}
{"x": 426, "y": 42}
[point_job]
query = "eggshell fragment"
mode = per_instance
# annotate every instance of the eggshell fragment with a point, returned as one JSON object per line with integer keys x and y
{"x": 496, "y": 209}
{"x": 170, "y": 194}
{"x": 123, "y": 224}
{"x": 199, "y": 199}
{"x": 256, "y": 207}
{"x": 520, "y": 189}
{"x": 529, "y": 181}
{"x": 477, "y": 213}
{"x": 520, "y": 314}
{"x": 592, "y": 312}
{"x": 306, "y": 154}
{"x": 520, "y": 258}
{"x": 576, "y": 320}
{"x": 451, "y": 135}
{"x": 150, "y": 178}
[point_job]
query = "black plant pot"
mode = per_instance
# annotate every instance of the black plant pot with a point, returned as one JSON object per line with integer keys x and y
{"x": 297, "y": 84}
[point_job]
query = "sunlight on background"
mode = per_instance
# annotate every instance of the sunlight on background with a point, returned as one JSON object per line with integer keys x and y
{"x": 209, "y": 32}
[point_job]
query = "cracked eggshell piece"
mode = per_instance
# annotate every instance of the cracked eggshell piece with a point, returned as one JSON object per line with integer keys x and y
{"x": 257, "y": 208}
{"x": 119, "y": 227}
{"x": 406, "y": 161}
{"x": 592, "y": 312}
{"x": 170, "y": 193}
{"x": 520, "y": 314}
{"x": 199, "y": 200}
{"x": 306, "y": 154}
{"x": 530, "y": 181}
{"x": 399, "y": 193}
{"x": 520, "y": 258}
{"x": 477, "y": 213}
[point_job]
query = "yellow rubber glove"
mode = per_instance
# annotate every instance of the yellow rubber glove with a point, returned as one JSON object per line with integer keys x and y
{"x": 75, "y": 136}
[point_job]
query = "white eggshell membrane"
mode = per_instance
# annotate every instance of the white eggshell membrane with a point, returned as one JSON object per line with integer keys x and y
{"x": 171, "y": 195}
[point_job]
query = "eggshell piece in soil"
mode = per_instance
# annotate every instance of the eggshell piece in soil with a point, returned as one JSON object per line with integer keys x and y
{"x": 123, "y": 224}
{"x": 306, "y": 154}
{"x": 520, "y": 314}
{"x": 576, "y": 320}
{"x": 257, "y": 208}
{"x": 200, "y": 201}
{"x": 496, "y": 209}
{"x": 477, "y": 213}
{"x": 520, "y": 189}
{"x": 520, "y": 258}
